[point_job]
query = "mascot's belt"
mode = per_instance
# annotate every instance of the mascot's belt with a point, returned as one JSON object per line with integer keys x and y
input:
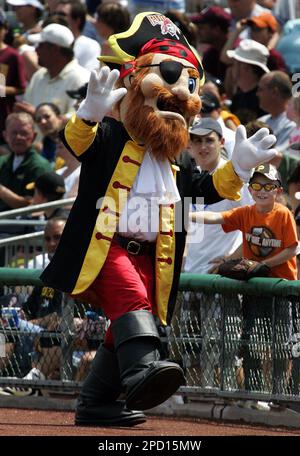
{"x": 135, "y": 247}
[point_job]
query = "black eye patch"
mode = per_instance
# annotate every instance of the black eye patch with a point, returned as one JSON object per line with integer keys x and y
{"x": 169, "y": 69}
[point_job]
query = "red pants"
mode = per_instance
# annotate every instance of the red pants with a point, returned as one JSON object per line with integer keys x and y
{"x": 124, "y": 284}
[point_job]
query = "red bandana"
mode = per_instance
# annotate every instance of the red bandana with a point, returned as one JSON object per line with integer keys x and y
{"x": 169, "y": 47}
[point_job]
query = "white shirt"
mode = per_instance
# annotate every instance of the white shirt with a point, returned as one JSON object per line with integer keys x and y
{"x": 70, "y": 180}
{"x": 229, "y": 137}
{"x": 281, "y": 127}
{"x": 209, "y": 241}
{"x": 39, "y": 262}
{"x": 86, "y": 52}
{"x": 42, "y": 88}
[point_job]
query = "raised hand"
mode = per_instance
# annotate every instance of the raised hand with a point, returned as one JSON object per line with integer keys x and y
{"x": 251, "y": 152}
{"x": 101, "y": 95}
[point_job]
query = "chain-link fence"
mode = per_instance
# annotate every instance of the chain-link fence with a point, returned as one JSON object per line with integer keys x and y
{"x": 233, "y": 339}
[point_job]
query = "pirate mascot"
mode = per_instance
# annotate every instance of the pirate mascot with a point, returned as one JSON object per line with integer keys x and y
{"x": 120, "y": 248}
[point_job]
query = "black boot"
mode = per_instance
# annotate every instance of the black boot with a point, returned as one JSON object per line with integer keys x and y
{"x": 97, "y": 403}
{"x": 146, "y": 380}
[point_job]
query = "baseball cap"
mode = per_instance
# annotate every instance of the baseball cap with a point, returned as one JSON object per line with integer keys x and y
{"x": 209, "y": 103}
{"x": 269, "y": 171}
{"x": 214, "y": 14}
{"x": 34, "y": 3}
{"x": 264, "y": 20}
{"x": 49, "y": 183}
{"x": 55, "y": 34}
{"x": 252, "y": 52}
{"x": 78, "y": 94}
{"x": 206, "y": 126}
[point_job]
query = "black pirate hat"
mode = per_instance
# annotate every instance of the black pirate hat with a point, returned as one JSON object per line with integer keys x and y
{"x": 148, "y": 31}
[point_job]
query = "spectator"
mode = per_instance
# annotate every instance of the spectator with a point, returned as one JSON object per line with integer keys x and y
{"x": 211, "y": 108}
{"x": 42, "y": 311}
{"x": 60, "y": 70}
{"x": 86, "y": 50}
{"x": 216, "y": 87}
{"x": 12, "y": 71}
{"x": 29, "y": 13}
{"x": 206, "y": 145}
{"x": 270, "y": 237}
{"x": 274, "y": 92}
{"x": 213, "y": 25}
{"x": 243, "y": 9}
{"x": 294, "y": 187}
{"x": 250, "y": 63}
{"x": 293, "y": 113}
{"x": 52, "y": 235}
{"x": 286, "y": 10}
{"x": 22, "y": 165}
{"x": 288, "y": 45}
{"x": 111, "y": 18}
{"x": 49, "y": 187}
{"x": 263, "y": 28}
{"x": 28, "y": 54}
{"x": 207, "y": 244}
{"x": 70, "y": 171}
{"x": 182, "y": 21}
{"x": 49, "y": 121}
{"x": 78, "y": 94}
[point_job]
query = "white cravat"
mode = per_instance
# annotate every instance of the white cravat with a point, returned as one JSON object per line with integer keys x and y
{"x": 154, "y": 185}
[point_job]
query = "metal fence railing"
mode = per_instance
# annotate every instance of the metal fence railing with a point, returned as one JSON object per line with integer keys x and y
{"x": 60, "y": 343}
{"x": 21, "y": 239}
{"x": 233, "y": 339}
{"x": 13, "y": 213}
{"x": 24, "y": 251}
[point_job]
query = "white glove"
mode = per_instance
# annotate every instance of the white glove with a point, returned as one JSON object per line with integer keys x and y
{"x": 101, "y": 96}
{"x": 251, "y": 152}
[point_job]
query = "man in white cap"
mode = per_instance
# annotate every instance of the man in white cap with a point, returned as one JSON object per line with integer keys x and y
{"x": 59, "y": 72}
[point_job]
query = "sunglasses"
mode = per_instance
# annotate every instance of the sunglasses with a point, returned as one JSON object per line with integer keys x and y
{"x": 256, "y": 186}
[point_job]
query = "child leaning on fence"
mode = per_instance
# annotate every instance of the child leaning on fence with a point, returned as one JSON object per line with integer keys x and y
{"x": 269, "y": 230}
{"x": 270, "y": 237}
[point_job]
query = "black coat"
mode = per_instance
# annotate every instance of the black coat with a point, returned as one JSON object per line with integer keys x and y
{"x": 98, "y": 165}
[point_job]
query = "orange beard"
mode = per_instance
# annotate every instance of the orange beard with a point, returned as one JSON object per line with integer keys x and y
{"x": 166, "y": 138}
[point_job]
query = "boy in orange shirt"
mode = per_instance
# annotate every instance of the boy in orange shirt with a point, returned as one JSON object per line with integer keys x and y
{"x": 270, "y": 237}
{"x": 269, "y": 230}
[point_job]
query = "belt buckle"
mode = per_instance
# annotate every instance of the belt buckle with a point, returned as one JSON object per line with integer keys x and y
{"x": 133, "y": 247}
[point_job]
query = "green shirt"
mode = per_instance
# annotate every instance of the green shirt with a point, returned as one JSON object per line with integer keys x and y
{"x": 28, "y": 171}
